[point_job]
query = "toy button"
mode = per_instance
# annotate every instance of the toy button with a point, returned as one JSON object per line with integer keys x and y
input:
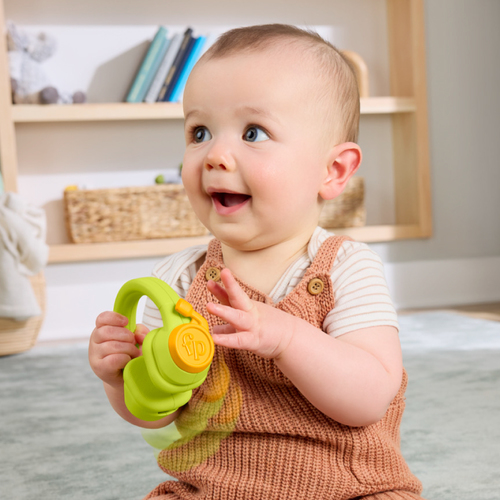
{"x": 315, "y": 286}
{"x": 191, "y": 348}
{"x": 212, "y": 274}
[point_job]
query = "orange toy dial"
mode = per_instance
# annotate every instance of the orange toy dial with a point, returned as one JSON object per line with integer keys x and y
{"x": 191, "y": 348}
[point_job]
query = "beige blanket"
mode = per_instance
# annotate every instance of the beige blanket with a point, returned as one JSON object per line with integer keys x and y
{"x": 23, "y": 252}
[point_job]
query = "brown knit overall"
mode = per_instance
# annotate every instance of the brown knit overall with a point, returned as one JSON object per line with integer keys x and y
{"x": 249, "y": 434}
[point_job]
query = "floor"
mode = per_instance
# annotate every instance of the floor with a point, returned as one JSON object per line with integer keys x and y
{"x": 61, "y": 439}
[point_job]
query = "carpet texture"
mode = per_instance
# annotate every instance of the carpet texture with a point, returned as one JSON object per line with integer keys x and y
{"x": 60, "y": 439}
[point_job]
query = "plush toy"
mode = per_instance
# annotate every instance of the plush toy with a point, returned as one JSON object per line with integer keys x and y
{"x": 29, "y": 82}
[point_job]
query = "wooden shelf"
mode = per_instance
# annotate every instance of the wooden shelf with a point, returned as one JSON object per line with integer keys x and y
{"x": 25, "y": 113}
{"x": 161, "y": 247}
{"x": 121, "y": 250}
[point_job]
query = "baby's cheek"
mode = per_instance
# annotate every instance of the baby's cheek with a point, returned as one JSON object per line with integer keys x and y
{"x": 190, "y": 177}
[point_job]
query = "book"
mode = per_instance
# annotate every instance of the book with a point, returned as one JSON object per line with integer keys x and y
{"x": 156, "y": 66}
{"x": 191, "y": 60}
{"x": 165, "y": 65}
{"x": 186, "y": 38}
{"x": 149, "y": 66}
{"x": 179, "y": 68}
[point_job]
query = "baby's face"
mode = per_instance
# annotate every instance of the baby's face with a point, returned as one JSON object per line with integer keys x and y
{"x": 256, "y": 154}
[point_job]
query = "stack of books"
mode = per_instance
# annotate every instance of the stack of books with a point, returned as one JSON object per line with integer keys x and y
{"x": 166, "y": 66}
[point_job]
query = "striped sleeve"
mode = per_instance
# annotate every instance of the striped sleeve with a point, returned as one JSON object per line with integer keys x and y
{"x": 362, "y": 297}
{"x": 177, "y": 270}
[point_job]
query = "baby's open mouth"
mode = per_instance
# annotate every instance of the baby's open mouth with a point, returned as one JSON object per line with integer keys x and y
{"x": 230, "y": 199}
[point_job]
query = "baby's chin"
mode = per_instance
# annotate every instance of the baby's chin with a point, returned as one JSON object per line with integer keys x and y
{"x": 238, "y": 237}
{"x": 249, "y": 241}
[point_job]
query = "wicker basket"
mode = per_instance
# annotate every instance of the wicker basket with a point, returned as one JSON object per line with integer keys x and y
{"x": 19, "y": 336}
{"x": 135, "y": 213}
{"x": 348, "y": 209}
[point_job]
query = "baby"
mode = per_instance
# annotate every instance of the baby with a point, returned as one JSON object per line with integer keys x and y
{"x": 306, "y": 390}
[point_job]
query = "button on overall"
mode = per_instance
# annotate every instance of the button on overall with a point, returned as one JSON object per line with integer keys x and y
{"x": 212, "y": 274}
{"x": 315, "y": 286}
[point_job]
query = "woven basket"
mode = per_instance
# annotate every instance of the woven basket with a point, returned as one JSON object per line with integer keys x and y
{"x": 20, "y": 336}
{"x": 135, "y": 213}
{"x": 348, "y": 209}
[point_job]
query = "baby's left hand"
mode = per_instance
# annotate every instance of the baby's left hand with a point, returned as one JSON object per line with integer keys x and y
{"x": 253, "y": 326}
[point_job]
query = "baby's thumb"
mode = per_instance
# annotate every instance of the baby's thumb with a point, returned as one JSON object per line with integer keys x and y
{"x": 140, "y": 333}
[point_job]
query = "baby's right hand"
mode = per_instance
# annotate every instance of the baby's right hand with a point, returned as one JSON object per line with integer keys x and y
{"x": 112, "y": 346}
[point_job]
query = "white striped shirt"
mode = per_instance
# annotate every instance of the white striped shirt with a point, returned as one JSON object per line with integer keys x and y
{"x": 360, "y": 290}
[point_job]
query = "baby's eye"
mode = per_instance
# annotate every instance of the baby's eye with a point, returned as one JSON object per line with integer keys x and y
{"x": 255, "y": 134}
{"x": 201, "y": 134}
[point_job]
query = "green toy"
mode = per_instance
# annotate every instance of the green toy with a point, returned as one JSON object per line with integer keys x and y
{"x": 175, "y": 358}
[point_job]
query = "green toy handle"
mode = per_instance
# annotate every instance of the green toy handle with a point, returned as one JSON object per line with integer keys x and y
{"x": 158, "y": 291}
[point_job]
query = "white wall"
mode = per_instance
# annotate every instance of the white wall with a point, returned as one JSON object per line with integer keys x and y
{"x": 459, "y": 264}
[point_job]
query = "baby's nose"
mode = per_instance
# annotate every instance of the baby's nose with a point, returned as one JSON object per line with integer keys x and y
{"x": 220, "y": 157}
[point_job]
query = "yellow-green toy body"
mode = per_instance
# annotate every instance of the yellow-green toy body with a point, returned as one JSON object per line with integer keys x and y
{"x": 175, "y": 358}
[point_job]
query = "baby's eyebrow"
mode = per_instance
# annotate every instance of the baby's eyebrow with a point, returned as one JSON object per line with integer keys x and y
{"x": 193, "y": 112}
{"x": 241, "y": 111}
{"x": 257, "y": 111}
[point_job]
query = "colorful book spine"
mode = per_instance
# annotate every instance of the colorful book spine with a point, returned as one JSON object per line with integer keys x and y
{"x": 191, "y": 60}
{"x": 179, "y": 69}
{"x": 165, "y": 65}
{"x": 188, "y": 35}
{"x": 149, "y": 66}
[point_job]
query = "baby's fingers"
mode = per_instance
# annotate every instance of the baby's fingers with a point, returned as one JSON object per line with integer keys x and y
{"x": 218, "y": 291}
{"x": 124, "y": 350}
{"x": 223, "y": 329}
{"x": 114, "y": 363}
{"x": 240, "y": 340}
{"x": 237, "y": 297}
{"x": 112, "y": 333}
{"x": 111, "y": 318}
{"x": 239, "y": 320}
{"x": 107, "y": 359}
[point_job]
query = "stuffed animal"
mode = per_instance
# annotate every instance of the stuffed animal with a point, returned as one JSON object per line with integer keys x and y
{"x": 29, "y": 82}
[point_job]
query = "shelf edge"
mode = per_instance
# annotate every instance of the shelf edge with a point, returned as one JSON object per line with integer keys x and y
{"x": 71, "y": 252}
{"x": 25, "y": 113}
{"x": 157, "y": 248}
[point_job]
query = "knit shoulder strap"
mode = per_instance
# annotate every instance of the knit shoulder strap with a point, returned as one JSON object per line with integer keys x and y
{"x": 216, "y": 259}
{"x": 314, "y": 297}
{"x": 326, "y": 255}
{"x": 214, "y": 252}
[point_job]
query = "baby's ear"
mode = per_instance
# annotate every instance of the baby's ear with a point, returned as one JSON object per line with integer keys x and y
{"x": 343, "y": 162}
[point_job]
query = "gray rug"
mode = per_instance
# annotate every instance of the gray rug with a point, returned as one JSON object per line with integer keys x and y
{"x": 60, "y": 439}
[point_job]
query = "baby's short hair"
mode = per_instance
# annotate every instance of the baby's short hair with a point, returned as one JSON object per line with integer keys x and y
{"x": 341, "y": 86}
